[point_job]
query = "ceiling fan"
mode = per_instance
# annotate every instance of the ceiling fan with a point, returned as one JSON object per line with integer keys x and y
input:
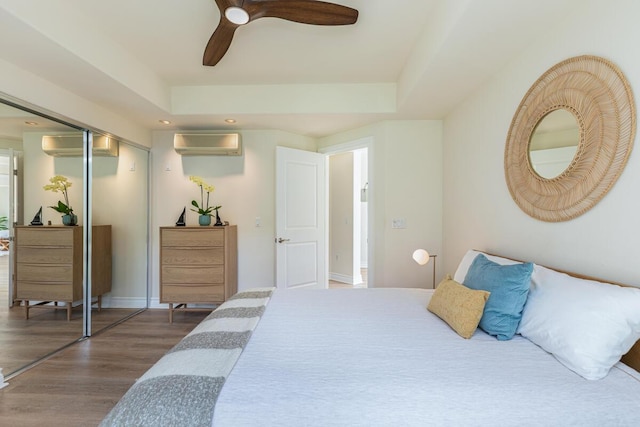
{"x": 235, "y": 13}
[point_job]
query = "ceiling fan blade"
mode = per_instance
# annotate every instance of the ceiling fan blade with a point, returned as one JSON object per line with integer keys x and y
{"x": 302, "y": 11}
{"x": 219, "y": 42}
{"x": 224, "y": 4}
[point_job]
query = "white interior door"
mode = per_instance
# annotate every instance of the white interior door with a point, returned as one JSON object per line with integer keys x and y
{"x": 300, "y": 219}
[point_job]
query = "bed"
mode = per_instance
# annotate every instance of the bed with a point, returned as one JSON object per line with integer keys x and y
{"x": 379, "y": 357}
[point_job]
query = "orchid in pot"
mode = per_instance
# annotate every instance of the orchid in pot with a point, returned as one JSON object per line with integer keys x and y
{"x": 203, "y": 209}
{"x": 61, "y": 184}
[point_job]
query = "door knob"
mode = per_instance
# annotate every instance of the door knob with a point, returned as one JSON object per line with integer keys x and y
{"x": 281, "y": 240}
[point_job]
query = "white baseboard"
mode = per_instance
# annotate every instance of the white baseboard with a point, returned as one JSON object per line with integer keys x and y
{"x": 343, "y": 278}
{"x": 2, "y": 383}
{"x": 129, "y": 302}
{"x": 155, "y": 303}
{"x": 123, "y": 302}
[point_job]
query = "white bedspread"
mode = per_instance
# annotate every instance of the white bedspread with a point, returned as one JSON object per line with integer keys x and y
{"x": 377, "y": 357}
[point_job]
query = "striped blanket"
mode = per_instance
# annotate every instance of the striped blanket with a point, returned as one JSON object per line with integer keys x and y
{"x": 183, "y": 386}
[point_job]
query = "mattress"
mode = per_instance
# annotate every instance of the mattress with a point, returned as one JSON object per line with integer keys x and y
{"x": 377, "y": 357}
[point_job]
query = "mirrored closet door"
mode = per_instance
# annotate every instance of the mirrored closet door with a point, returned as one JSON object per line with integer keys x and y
{"x": 44, "y": 305}
{"x": 31, "y": 327}
{"x": 119, "y": 213}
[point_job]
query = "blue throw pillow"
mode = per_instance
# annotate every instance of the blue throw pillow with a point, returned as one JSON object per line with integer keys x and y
{"x": 509, "y": 287}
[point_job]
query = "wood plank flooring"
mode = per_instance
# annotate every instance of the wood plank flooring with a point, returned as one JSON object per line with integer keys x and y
{"x": 22, "y": 341}
{"x": 79, "y": 386}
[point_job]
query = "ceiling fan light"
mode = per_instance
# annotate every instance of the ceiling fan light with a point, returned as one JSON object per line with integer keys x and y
{"x": 236, "y": 15}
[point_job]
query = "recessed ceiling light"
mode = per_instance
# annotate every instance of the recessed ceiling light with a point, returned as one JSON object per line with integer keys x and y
{"x": 31, "y": 123}
{"x": 231, "y": 121}
{"x": 165, "y": 122}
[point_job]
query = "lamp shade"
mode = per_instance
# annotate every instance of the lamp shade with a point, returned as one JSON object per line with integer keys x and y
{"x": 421, "y": 256}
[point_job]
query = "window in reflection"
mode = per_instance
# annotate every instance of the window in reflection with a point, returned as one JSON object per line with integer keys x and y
{"x": 554, "y": 143}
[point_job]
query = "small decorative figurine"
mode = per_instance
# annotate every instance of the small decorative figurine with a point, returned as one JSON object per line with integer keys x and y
{"x": 218, "y": 220}
{"x": 37, "y": 220}
{"x": 181, "y": 222}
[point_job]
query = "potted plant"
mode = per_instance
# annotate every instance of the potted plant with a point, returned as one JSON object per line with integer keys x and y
{"x": 61, "y": 184}
{"x": 4, "y": 235}
{"x": 203, "y": 209}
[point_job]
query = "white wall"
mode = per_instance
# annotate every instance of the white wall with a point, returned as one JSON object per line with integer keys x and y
{"x": 405, "y": 181}
{"x": 363, "y": 155}
{"x": 478, "y": 210}
{"x": 341, "y": 217}
{"x": 4, "y": 184}
{"x": 38, "y": 168}
{"x": 6, "y": 143}
{"x": 120, "y": 198}
{"x": 29, "y": 89}
{"x": 245, "y": 187}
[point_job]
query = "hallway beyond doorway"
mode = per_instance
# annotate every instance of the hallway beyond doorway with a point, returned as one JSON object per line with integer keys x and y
{"x": 334, "y": 284}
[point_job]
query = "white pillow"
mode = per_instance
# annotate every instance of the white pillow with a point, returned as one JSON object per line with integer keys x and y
{"x": 468, "y": 258}
{"x": 587, "y": 325}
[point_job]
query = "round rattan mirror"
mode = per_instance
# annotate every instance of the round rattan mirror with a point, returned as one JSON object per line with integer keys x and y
{"x": 598, "y": 95}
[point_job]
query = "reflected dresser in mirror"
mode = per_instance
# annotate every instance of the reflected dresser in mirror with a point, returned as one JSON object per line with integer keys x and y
{"x": 48, "y": 266}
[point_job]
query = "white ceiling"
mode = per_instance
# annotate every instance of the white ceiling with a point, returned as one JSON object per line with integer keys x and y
{"x": 403, "y": 59}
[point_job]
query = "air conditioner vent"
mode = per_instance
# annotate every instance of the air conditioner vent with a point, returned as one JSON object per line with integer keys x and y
{"x": 207, "y": 144}
{"x": 70, "y": 145}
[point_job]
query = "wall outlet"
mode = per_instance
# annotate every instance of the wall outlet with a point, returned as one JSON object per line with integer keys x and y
{"x": 398, "y": 223}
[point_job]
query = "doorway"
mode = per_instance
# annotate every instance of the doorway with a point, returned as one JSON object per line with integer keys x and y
{"x": 348, "y": 218}
{"x": 4, "y": 228}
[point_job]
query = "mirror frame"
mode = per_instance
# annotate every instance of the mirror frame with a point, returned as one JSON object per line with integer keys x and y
{"x": 596, "y": 92}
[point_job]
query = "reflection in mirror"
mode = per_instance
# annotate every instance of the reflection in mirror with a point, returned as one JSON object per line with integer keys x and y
{"x": 554, "y": 143}
{"x": 48, "y": 328}
{"x": 120, "y": 204}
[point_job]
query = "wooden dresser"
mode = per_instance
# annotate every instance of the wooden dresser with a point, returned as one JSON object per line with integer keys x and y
{"x": 198, "y": 265}
{"x": 49, "y": 265}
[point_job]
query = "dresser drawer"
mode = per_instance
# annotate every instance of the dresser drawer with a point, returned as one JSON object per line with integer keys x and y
{"x": 192, "y": 293}
{"x": 44, "y": 273}
{"x": 192, "y": 238}
{"x": 42, "y": 255}
{"x": 192, "y": 275}
{"x": 44, "y": 291}
{"x": 45, "y": 237}
{"x": 197, "y": 265}
{"x": 188, "y": 256}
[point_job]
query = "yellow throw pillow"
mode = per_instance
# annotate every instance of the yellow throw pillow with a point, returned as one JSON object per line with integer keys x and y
{"x": 458, "y": 305}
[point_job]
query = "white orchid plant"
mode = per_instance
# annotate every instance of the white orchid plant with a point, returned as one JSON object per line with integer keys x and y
{"x": 60, "y": 184}
{"x": 203, "y": 208}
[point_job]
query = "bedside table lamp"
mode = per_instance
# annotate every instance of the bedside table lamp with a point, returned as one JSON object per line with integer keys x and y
{"x": 422, "y": 257}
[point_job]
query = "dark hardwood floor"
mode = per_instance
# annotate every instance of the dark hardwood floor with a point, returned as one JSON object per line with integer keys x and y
{"x": 78, "y": 386}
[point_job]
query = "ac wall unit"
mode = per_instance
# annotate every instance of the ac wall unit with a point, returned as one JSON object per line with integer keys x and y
{"x": 70, "y": 145}
{"x": 207, "y": 144}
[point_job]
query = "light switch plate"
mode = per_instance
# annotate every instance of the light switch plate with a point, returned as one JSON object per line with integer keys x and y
{"x": 398, "y": 223}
